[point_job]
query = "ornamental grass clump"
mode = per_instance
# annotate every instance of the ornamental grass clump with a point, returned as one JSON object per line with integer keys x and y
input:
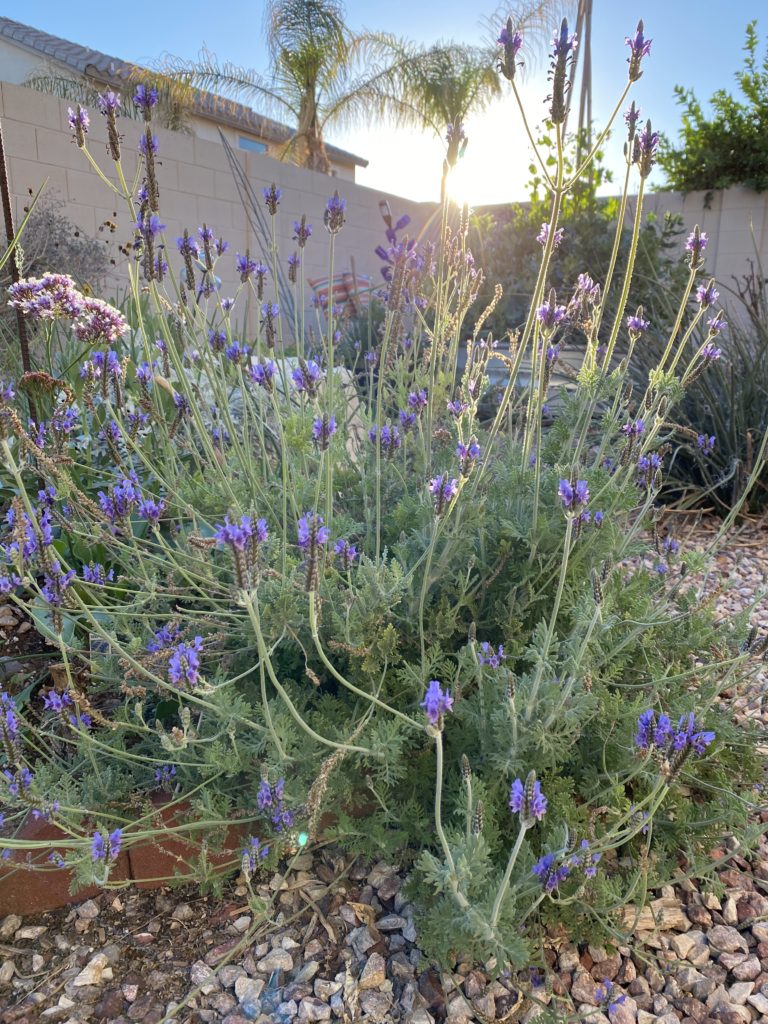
{"x": 279, "y": 595}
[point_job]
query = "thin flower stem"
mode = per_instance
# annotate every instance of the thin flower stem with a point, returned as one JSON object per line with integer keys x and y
{"x": 507, "y": 875}
{"x": 544, "y": 654}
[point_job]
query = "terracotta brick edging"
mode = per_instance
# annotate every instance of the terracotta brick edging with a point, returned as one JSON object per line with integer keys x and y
{"x": 30, "y": 884}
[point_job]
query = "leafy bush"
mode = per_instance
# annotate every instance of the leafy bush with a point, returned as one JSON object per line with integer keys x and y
{"x": 723, "y": 414}
{"x": 729, "y": 147}
{"x": 269, "y": 600}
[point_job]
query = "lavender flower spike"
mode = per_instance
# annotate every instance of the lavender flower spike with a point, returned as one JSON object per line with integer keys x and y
{"x": 527, "y": 800}
{"x": 436, "y": 703}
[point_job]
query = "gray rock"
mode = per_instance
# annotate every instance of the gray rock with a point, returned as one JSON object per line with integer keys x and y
{"x": 391, "y": 923}
{"x": 747, "y": 970}
{"x": 583, "y": 989}
{"x": 739, "y": 992}
{"x": 420, "y": 1016}
{"x": 248, "y": 990}
{"x": 324, "y": 988}
{"x": 568, "y": 958}
{"x": 88, "y": 910}
{"x": 229, "y": 974}
{"x": 31, "y": 931}
{"x": 684, "y": 943}
{"x": 624, "y": 1012}
{"x": 9, "y": 926}
{"x": 93, "y": 972}
{"x": 726, "y": 939}
{"x": 201, "y": 975}
{"x": 361, "y": 940}
{"x": 374, "y": 974}
{"x": 760, "y": 1002}
{"x": 699, "y": 955}
{"x": 275, "y": 960}
{"x": 313, "y": 1009}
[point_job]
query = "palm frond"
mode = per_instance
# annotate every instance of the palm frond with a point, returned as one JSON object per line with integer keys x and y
{"x": 227, "y": 80}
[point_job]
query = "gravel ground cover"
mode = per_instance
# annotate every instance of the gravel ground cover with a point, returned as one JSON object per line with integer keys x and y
{"x": 345, "y": 944}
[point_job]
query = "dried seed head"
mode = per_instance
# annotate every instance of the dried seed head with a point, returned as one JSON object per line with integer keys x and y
{"x": 597, "y": 588}
{"x": 466, "y": 770}
{"x": 478, "y": 819}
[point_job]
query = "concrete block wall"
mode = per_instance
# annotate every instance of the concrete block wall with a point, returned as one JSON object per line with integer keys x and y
{"x": 196, "y": 185}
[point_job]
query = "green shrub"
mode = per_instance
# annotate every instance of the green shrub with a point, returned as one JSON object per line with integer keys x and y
{"x": 730, "y": 146}
{"x": 269, "y": 600}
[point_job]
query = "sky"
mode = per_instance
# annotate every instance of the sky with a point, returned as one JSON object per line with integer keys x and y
{"x": 696, "y": 43}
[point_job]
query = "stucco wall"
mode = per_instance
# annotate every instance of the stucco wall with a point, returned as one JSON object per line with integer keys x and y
{"x": 196, "y": 186}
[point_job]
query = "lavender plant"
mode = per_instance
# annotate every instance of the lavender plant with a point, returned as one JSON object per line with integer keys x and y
{"x": 269, "y": 598}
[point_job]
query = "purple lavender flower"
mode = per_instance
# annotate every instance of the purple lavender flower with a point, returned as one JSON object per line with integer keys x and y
{"x": 334, "y": 213}
{"x": 634, "y": 428}
{"x": 145, "y": 98}
{"x": 543, "y": 235}
{"x": 511, "y": 40}
{"x": 187, "y": 246}
{"x": 79, "y": 123}
{"x": 109, "y": 102}
{"x": 164, "y": 638}
{"x": 148, "y": 144}
{"x": 301, "y": 231}
{"x": 646, "y": 144}
{"x": 639, "y": 47}
{"x": 573, "y": 498}
{"x": 550, "y": 314}
{"x": 306, "y": 377}
{"x": 407, "y": 420}
{"x": 57, "y": 702}
{"x": 707, "y": 295}
{"x": 491, "y": 656}
{"x": 418, "y": 399}
{"x": 457, "y": 408}
{"x": 311, "y": 528}
{"x": 272, "y": 197}
{"x": 239, "y": 535}
{"x": 7, "y": 393}
{"x": 165, "y": 774}
{"x": 254, "y": 853}
{"x": 237, "y": 353}
{"x": 443, "y": 490}
{"x": 549, "y": 873}
{"x": 98, "y": 847}
{"x": 711, "y": 353}
{"x": 184, "y": 663}
{"x": 55, "y": 584}
{"x": 96, "y": 574}
{"x": 323, "y": 429}
{"x": 436, "y": 703}
{"x": 706, "y": 444}
{"x": 151, "y": 509}
{"x": 716, "y": 325}
{"x": 388, "y": 438}
{"x": 527, "y": 800}
{"x": 9, "y": 721}
{"x": 631, "y": 117}
{"x": 695, "y": 245}
{"x": 467, "y": 454}
{"x": 637, "y": 325}
{"x": 245, "y": 266}
{"x": 598, "y": 519}
{"x": 122, "y": 499}
{"x": 346, "y": 552}
{"x": 670, "y": 546}
{"x": 263, "y": 373}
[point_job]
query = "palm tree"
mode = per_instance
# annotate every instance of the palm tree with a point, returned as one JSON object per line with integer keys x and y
{"x": 311, "y": 82}
{"x": 322, "y": 76}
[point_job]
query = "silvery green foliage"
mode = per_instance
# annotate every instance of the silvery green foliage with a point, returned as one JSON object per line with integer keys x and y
{"x": 469, "y": 642}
